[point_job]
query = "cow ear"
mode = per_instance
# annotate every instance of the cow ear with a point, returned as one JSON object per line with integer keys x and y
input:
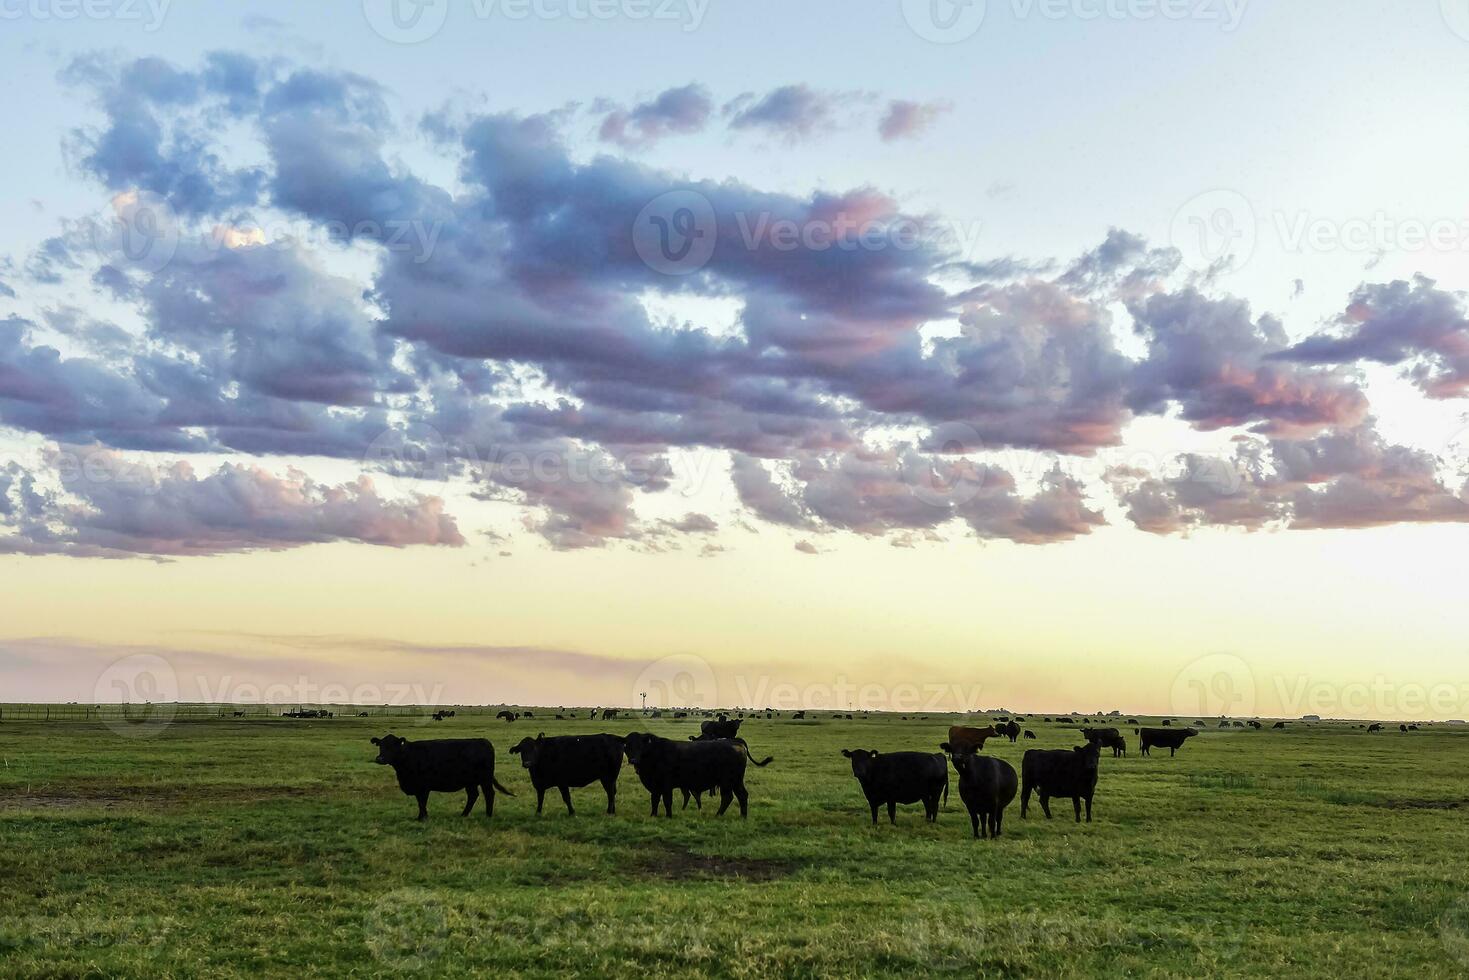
{"x": 540, "y": 736}
{"x": 847, "y": 753}
{"x": 376, "y": 741}
{"x": 946, "y": 746}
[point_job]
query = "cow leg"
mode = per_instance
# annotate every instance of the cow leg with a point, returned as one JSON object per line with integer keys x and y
{"x": 995, "y": 819}
{"x": 1076, "y": 804}
{"x": 489, "y": 789}
{"x": 743, "y": 795}
{"x": 974, "y": 822}
{"x": 1088, "y": 809}
{"x": 726, "y": 797}
{"x": 892, "y": 813}
{"x": 874, "y": 814}
{"x": 655, "y": 802}
{"x": 422, "y": 806}
{"x": 472, "y": 794}
{"x": 668, "y": 802}
{"x": 1046, "y": 805}
{"x": 566, "y": 797}
{"x": 610, "y": 785}
{"x": 540, "y": 799}
{"x": 1025, "y": 801}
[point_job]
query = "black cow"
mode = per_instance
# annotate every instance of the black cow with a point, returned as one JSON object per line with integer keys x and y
{"x": 1278, "y": 726}
{"x": 1010, "y": 730}
{"x": 1169, "y": 739}
{"x": 1402, "y": 728}
{"x": 507, "y": 715}
{"x": 1255, "y": 725}
{"x": 442, "y": 765}
{"x": 565, "y": 761}
{"x": 711, "y": 730}
{"x": 986, "y": 785}
{"x": 1108, "y": 738}
{"x": 1060, "y": 772}
{"x": 1029, "y": 733}
{"x": 1374, "y": 728}
{"x": 900, "y": 777}
{"x": 696, "y": 767}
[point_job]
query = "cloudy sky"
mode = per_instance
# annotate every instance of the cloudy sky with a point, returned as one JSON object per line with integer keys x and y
{"x": 1048, "y": 355}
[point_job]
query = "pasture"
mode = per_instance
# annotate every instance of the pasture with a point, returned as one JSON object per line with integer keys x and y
{"x": 277, "y": 846}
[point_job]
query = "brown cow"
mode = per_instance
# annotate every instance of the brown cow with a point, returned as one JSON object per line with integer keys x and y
{"x": 965, "y": 739}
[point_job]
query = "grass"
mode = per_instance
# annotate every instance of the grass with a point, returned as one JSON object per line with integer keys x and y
{"x": 268, "y": 846}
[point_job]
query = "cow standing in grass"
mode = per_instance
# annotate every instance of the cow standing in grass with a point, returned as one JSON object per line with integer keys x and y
{"x": 888, "y": 779}
{"x": 1171, "y": 739}
{"x": 568, "y": 761}
{"x": 1060, "y": 772}
{"x": 986, "y": 785}
{"x": 443, "y": 765}
{"x": 695, "y": 767}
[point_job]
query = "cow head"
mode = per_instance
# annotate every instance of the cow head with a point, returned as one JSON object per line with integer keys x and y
{"x": 636, "y": 746}
{"x": 390, "y": 749}
{"x": 1090, "y": 754}
{"x": 529, "y": 749}
{"x": 1189, "y": 732}
{"x": 862, "y": 760}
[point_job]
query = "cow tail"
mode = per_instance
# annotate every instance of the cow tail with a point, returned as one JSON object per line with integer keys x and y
{"x": 946, "y": 787}
{"x": 496, "y": 783}
{"x": 746, "y": 746}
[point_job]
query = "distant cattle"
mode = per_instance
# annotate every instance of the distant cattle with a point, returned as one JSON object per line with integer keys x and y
{"x": 798, "y": 716}
{"x": 441, "y": 715}
{"x": 711, "y": 730}
{"x": 1279, "y": 725}
{"x": 1374, "y": 728}
{"x": 444, "y": 765}
{"x": 1060, "y": 773}
{"x": 1171, "y": 740}
{"x": 1029, "y": 733}
{"x": 1132, "y": 721}
{"x": 1255, "y": 725}
{"x": 965, "y": 739}
{"x": 507, "y": 715}
{"x": 1412, "y": 728}
{"x": 609, "y": 713}
{"x": 1198, "y": 724}
{"x": 986, "y": 785}
{"x": 1108, "y": 738}
{"x": 1166, "y": 722}
{"x": 568, "y": 761}
{"x": 891, "y": 778}
{"x": 1239, "y": 724}
{"x": 1224, "y": 723}
{"x": 664, "y": 765}
{"x": 1402, "y": 728}
{"x": 1010, "y": 730}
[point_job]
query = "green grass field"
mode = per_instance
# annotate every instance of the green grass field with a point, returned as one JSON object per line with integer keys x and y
{"x": 278, "y": 847}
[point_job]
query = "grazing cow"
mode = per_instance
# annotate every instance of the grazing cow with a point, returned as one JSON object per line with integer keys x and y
{"x": 1010, "y": 730}
{"x": 442, "y": 765}
{"x": 1374, "y": 728}
{"x": 1108, "y": 738}
{"x": 1278, "y": 726}
{"x": 1412, "y": 728}
{"x": 507, "y": 715}
{"x": 1166, "y": 722}
{"x": 1132, "y": 721}
{"x": 1063, "y": 773}
{"x": 699, "y": 767}
{"x": 1239, "y": 724}
{"x": 711, "y": 730}
{"x": 567, "y": 761}
{"x": 986, "y": 785}
{"x": 1224, "y": 723}
{"x": 798, "y": 716}
{"x": 1403, "y": 728}
{"x": 1029, "y": 733}
{"x": 970, "y": 739}
{"x": 900, "y": 777}
{"x": 1255, "y": 725}
{"x": 609, "y": 713}
{"x": 1170, "y": 740}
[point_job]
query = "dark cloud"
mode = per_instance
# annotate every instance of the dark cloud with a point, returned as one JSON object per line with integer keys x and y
{"x": 905, "y": 119}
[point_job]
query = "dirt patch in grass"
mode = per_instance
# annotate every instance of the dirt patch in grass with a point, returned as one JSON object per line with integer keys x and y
{"x": 677, "y": 864}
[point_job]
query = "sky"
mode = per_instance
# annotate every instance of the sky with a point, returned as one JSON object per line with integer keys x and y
{"x": 1048, "y": 355}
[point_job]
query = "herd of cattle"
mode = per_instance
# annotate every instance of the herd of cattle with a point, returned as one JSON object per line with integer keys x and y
{"x": 715, "y": 760}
